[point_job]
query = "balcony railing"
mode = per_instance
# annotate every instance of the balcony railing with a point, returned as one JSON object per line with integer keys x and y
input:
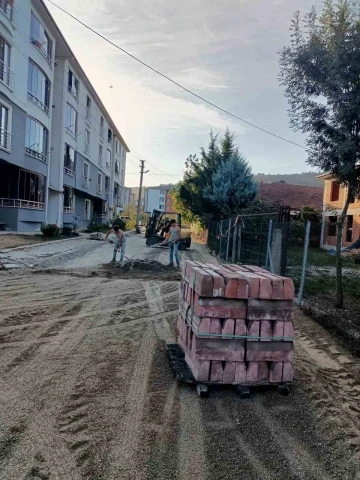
{"x": 6, "y": 75}
{"x": 38, "y": 155}
{"x": 16, "y": 203}
{"x": 87, "y": 148}
{"x": 101, "y": 132}
{"x": 5, "y": 140}
{"x": 101, "y": 215}
{"x": 99, "y": 189}
{"x": 7, "y": 8}
{"x": 86, "y": 182}
{"x": 69, "y": 210}
{"x": 40, "y": 47}
{"x": 70, "y": 131}
{"x": 69, "y": 171}
{"x": 38, "y": 102}
{"x": 73, "y": 92}
{"x": 107, "y": 165}
{"x": 100, "y": 160}
{"x": 88, "y": 114}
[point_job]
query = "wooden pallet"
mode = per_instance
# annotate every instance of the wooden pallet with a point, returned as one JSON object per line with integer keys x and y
{"x": 184, "y": 375}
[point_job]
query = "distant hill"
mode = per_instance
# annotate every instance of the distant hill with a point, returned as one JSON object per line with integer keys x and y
{"x": 307, "y": 179}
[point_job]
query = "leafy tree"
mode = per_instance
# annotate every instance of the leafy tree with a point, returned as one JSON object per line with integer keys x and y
{"x": 232, "y": 188}
{"x": 308, "y": 213}
{"x": 320, "y": 71}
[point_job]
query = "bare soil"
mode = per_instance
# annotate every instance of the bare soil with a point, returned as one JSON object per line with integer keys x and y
{"x": 13, "y": 241}
{"x": 87, "y": 392}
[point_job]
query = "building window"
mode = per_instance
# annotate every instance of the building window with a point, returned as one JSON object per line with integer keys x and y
{"x": 108, "y": 159}
{"x": 332, "y": 226}
{"x": 116, "y": 189}
{"x": 36, "y": 139}
{"x": 161, "y": 199}
{"x": 100, "y": 161}
{"x": 122, "y": 176}
{"x": 117, "y": 146}
{"x": 87, "y": 209}
{"x": 38, "y": 87}
{"x": 5, "y": 135}
{"x": 31, "y": 187}
{"x": 86, "y": 175}
{"x": 40, "y": 38}
{"x": 99, "y": 184}
{"x": 69, "y": 160}
{"x": 107, "y": 184}
{"x": 161, "y": 207}
{"x": 87, "y": 142}
{"x": 117, "y": 167}
{"x": 6, "y": 75}
{"x": 109, "y": 135}
{"x": 70, "y": 120}
{"x": 7, "y": 8}
{"x": 349, "y": 228}
{"x": 73, "y": 84}
{"x": 162, "y": 192}
{"x": 101, "y": 127}
{"x": 68, "y": 199}
{"x": 88, "y": 108}
{"x": 335, "y": 191}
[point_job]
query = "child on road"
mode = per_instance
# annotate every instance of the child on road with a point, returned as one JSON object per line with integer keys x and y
{"x": 120, "y": 243}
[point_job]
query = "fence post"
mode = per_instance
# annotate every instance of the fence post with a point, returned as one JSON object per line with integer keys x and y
{"x": 234, "y": 244}
{"x": 228, "y": 241}
{"x": 221, "y": 237}
{"x": 304, "y": 262}
{"x": 268, "y": 248}
{"x": 238, "y": 252}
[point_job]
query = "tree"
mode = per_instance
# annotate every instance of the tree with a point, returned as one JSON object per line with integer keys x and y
{"x": 232, "y": 188}
{"x": 320, "y": 72}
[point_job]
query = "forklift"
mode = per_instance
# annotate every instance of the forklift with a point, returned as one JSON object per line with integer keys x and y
{"x": 156, "y": 228}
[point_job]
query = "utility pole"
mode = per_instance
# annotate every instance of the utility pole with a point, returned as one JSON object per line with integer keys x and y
{"x": 142, "y": 164}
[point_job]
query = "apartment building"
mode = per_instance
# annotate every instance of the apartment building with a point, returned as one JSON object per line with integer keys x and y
{"x": 129, "y": 197}
{"x": 61, "y": 155}
{"x": 159, "y": 198}
{"x": 333, "y": 203}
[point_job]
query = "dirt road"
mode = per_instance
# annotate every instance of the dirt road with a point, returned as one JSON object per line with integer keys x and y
{"x": 86, "y": 391}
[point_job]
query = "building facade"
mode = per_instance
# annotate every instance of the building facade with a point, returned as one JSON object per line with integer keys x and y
{"x": 159, "y": 198}
{"x": 333, "y": 204}
{"x": 61, "y": 156}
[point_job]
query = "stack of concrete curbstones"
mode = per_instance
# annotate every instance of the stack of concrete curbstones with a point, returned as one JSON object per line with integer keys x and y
{"x": 235, "y": 324}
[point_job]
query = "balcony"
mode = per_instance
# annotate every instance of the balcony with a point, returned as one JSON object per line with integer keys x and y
{"x": 69, "y": 210}
{"x": 70, "y": 131}
{"x": 38, "y": 102}
{"x": 69, "y": 171}
{"x": 6, "y": 76}
{"x": 86, "y": 182}
{"x": 11, "y": 203}
{"x": 40, "y": 46}
{"x": 73, "y": 92}
{"x": 87, "y": 148}
{"x": 5, "y": 140}
{"x": 99, "y": 189}
{"x": 7, "y": 8}
{"x": 38, "y": 155}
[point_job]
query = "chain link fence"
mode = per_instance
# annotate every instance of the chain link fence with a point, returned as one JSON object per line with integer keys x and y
{"x": 304, "y": 252}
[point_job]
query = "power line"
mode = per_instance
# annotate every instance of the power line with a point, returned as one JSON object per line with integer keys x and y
{"x": 174, "y": 82}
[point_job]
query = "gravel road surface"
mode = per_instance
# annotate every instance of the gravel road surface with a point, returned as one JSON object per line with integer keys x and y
{"x": 86, "y": 391}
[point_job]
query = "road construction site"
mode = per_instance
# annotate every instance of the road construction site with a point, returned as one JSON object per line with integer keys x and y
{"x": 87, "y": 391}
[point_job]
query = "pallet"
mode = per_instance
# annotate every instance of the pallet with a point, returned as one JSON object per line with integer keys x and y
{"x": 184, "y": 375}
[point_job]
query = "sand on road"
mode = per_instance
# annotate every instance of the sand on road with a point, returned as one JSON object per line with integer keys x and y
{"x": 86, "y": 391}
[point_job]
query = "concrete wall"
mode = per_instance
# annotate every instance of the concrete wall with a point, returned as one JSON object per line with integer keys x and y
{"x": 80, "y": 207}
{"x": 22, "y": 219}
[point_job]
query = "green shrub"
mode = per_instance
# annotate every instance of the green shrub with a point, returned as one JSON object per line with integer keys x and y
{"x": 50, "y": 230}
{"x": 119, "y": 222}
{"x": 67, "y": 231}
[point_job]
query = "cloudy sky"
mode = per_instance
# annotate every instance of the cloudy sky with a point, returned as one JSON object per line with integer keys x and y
{"x": 226, "y": 51}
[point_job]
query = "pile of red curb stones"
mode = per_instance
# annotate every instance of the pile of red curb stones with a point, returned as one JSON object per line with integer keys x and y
{"x": 235, "y": 324}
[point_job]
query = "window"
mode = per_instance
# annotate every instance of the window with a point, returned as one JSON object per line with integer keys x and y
{"x": 100, "y": 160}
{"x": 68, "y": 199}
{"x": 122, "y": 176}
{"x": 6, "y": 75}
{"x": 109, "y": 135}
{"x": 40, "y": 38}
{"x": 36, "y": 139}
{"x": 99, "y": 184}
{"x": 69, "y": 160}
{"x": 87, "y": 209}
{"x": 86, "y": 175}
{"x": 70, "y": 120}
{"x": 116, "y": 189}
{"x": 7, "y": 7}
{"x": 87, "y": 142}
{"x": 162, "y": 199}
{"x": 73, "y": 84}
{"x": 352, "y": 197}
{"x": 5, "y": 136}
{"x": 332, "y": 226}
{"x": 107, "y": 184}
{"x": 38, "y": 87}
{"x": 101, "y": 127}
{"x": 117, "y": 146}
{"x": 335, "y": 191}
{"x": 108, "y": 159}
{"x": 88, "y": 108}
{"x": 161, "y": 207}
{"x": 162, "y": 192}
{"x": 349, "y": 228}
{"x": 31, "y": 187}
{"x": 117, "y": 167}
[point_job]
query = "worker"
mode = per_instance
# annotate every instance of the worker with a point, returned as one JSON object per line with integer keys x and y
{"x": 173, "y": 239}
{"x": 120, "y": 243}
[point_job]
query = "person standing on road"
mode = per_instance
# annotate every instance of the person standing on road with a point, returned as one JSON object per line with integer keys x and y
{"x": 120, "y": 243}
{"x": 174, "y": 238}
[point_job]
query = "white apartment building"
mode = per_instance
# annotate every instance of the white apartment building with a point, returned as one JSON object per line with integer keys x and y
{"x": 61, "y": 154}
{"x": 156, "y": 197}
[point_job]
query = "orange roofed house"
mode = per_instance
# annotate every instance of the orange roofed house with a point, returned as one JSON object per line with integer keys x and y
{"x": 333, "y": 203}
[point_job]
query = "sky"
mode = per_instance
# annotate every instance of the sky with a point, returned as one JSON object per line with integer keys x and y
{"x": 225, "y": 51}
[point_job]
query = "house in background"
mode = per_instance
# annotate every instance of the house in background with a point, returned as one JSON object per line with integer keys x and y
{"x": 333, "y": 203}
{"x": 159, "y": 198}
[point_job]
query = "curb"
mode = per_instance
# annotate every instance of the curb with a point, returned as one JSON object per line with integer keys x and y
{"x": 24, "y": 247}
